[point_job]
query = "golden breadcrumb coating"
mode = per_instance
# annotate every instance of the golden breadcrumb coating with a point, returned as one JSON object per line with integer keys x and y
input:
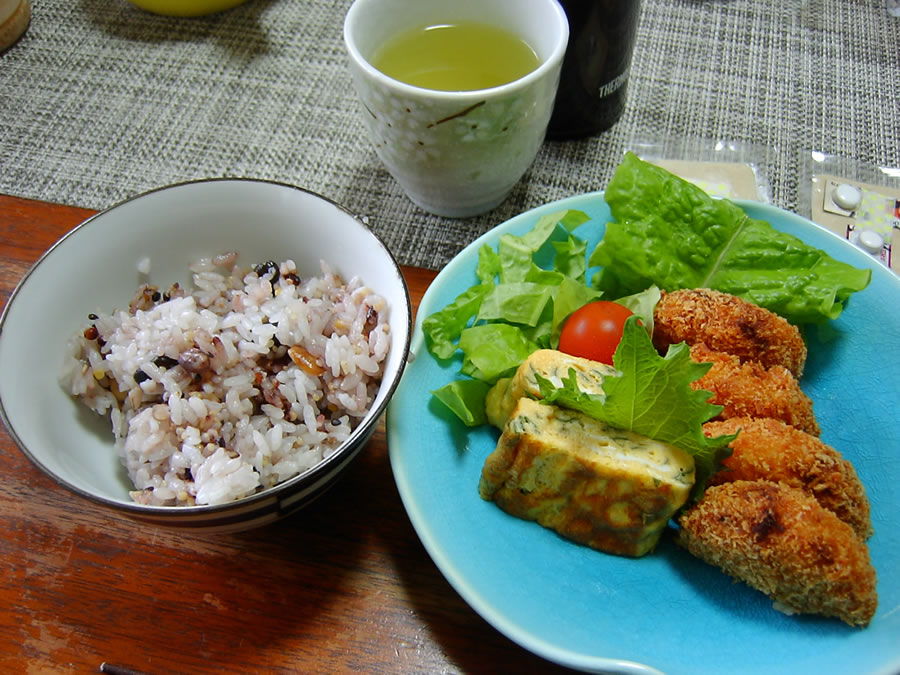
{"x": 749, "y": 389}
{"x": 781, "y": 541}
{"x": 726, "y": 323}
{"x": 772, "y": 450}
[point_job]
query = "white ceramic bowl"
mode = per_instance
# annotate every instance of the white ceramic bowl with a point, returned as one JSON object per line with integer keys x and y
{"x": 96, "y": 266}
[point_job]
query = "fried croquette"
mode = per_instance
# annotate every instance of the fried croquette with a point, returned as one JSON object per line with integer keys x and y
{"x": 770, "y": 449}
{"x": 781, "y": 541}
{"x": 749, "y": 389}
{"x": 726, "y": 323}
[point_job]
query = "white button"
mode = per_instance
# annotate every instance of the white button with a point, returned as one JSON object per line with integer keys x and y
{"x": 870, "y": 241}
{"x": 847, "y": 196}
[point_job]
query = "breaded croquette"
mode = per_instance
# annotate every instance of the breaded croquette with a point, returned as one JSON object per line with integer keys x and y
{"x": 726, "y": 323}
{"x": 769, "y": 449}
{"x": 781, "y": 541}
{"x": 749, "y": 389}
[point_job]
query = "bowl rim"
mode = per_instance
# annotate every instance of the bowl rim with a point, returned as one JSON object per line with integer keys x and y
{"x": 269, "y": 498}
{"x": 175, "y": 9}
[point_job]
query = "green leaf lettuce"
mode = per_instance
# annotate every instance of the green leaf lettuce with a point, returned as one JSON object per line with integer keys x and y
{"x": 515, "y": 291}
{"x": 667, "y": 231}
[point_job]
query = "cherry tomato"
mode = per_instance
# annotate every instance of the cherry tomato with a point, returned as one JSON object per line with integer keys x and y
{"x": 594, "y": 331}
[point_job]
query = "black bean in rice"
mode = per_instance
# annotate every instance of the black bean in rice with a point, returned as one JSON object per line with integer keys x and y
{"x": 252, "y": 377}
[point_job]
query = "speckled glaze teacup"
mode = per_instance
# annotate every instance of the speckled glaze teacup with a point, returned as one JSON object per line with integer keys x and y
{"x": 456, "y": 154}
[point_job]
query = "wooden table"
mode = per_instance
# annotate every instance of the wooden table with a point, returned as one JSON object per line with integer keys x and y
{"x": 344, "y": 585}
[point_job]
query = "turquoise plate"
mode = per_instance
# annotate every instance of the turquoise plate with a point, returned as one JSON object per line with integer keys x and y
{"x": 667, "y": 612}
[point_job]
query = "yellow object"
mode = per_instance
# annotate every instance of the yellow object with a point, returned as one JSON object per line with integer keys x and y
{"x": 186, "y": 7}
{"x": 551, "y": 365}
{"x": 609, "y": 489}
{"x": 14, "y": 20}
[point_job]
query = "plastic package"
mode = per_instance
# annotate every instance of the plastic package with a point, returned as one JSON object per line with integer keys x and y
{"x": 855, "y": 200}
{"x": 721, "y": 168}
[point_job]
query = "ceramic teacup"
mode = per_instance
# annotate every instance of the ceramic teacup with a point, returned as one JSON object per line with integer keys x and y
{"x": 456, "y": 153}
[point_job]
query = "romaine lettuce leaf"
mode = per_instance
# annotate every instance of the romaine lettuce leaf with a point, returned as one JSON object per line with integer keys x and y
{"x": 520, "y": 302}
{"x": 466, "y": 399}
{"x": 443, "y": 328}
{"x": 644, "y": 305}
{"x": 652, "y": 396}
{"x": 489, "y": 265}
{"x": 514, "y": 290}
{"x": 516, "y": 254}
{"x": 667, "y": 231}
{"x": 493, "y": 350}
{"x": 571, "y": 258}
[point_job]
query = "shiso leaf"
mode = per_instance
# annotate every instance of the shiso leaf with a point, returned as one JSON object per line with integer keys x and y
{"x": 652, "y": 396}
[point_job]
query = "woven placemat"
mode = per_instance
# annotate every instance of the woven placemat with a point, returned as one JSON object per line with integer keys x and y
{"x": 100, "y": 101}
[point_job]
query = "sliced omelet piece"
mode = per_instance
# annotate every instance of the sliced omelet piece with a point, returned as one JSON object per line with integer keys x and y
{"x": 549, "y": 364}
{"x": 609, "y": 489}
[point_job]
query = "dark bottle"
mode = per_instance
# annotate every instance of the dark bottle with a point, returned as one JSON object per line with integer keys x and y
{"x": 594, "y": 78}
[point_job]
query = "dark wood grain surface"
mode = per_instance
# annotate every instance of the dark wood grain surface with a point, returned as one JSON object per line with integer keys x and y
{"x": 345, "y": 585}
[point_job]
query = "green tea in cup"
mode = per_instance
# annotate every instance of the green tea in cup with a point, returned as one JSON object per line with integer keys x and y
{"x": 461, "y": 56}
{"x": 456, "y": 142}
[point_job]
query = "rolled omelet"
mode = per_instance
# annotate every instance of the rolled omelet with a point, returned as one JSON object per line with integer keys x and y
{"x": 609, "y": 489}
{"x": 549, "y": 364}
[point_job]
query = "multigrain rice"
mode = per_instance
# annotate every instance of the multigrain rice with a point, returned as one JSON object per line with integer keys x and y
{"x": 244, "y": 381}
